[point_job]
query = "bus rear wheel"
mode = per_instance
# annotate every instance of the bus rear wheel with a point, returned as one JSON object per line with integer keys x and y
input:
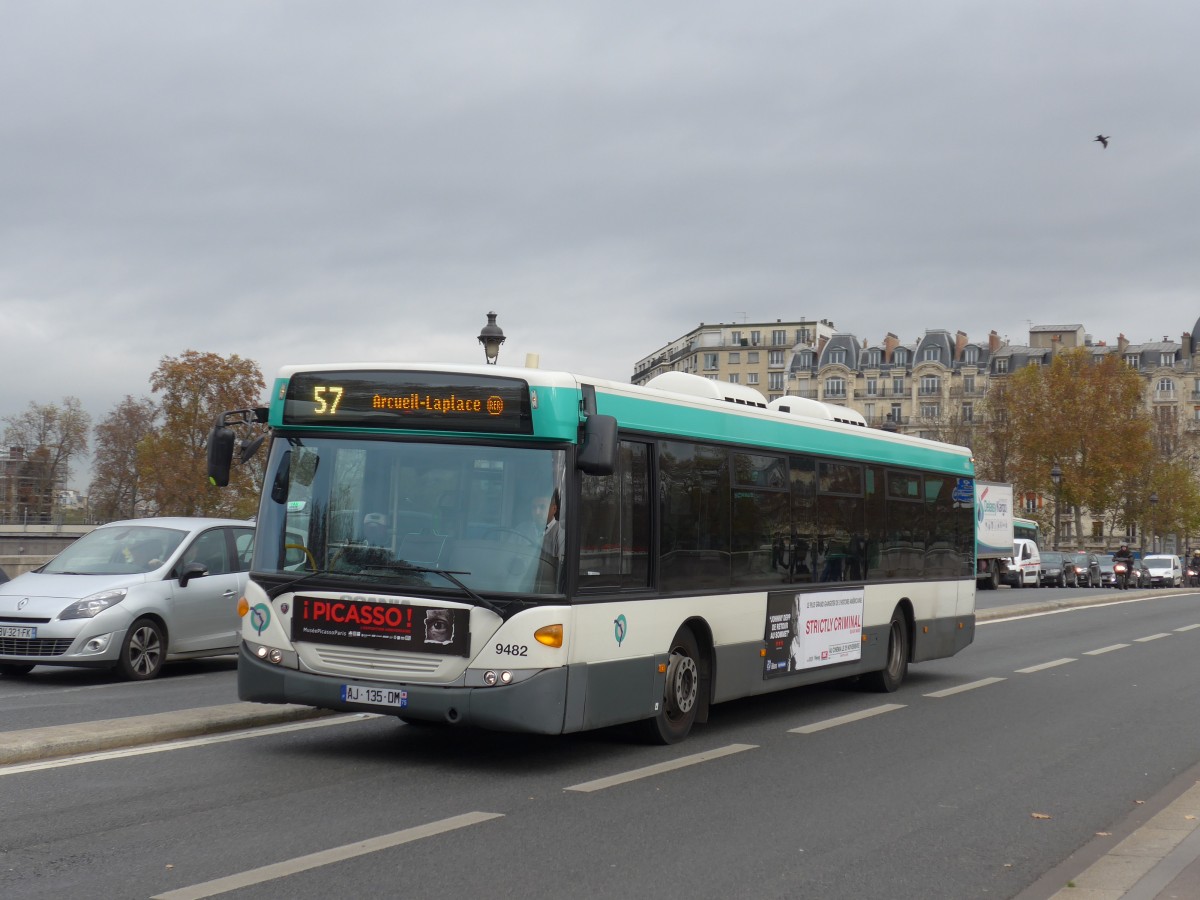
{"x": 681, "y": 698}
{"x": 891, "y": 676}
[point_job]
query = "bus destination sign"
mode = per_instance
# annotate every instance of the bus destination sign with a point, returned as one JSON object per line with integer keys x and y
{"x": 427, "y": 401}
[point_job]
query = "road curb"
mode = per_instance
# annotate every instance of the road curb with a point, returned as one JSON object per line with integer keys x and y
{"x": 56, "y": 741}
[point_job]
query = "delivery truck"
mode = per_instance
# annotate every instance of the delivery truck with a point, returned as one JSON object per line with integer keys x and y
{"x": 993, "y": 533}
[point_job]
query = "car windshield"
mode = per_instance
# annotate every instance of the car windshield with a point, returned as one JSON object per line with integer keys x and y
{"x": 402, "y": 513}
{"x": 1159, "y": 561}
{"x": 117, "y": 550}
{"x": 1049, "y": 557}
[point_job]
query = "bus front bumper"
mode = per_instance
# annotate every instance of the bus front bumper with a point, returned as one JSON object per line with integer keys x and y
{"x": 536, "y": 705}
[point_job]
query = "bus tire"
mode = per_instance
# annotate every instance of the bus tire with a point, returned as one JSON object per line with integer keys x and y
{"x": 891, "y": 676}
{"x": 992, "y": 582}
{"x": 681, "y": 697}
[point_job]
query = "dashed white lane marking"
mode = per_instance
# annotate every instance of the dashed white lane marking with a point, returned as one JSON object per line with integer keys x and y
{"x": 659, "y": 768}
{"x": 847, "y": 719}
{"x": 969, "y": 686}
{"x": 324, "y": 857}
{"x": 1047, "y": 665}
{"x": 1188, "y": 627}
{"x": 1151, "y": 637}
{"x": 1109, "y": 649}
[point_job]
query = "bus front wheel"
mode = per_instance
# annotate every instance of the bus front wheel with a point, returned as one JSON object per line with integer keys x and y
{"x": 681, "y": 698}
{"x": 891, "y": 676}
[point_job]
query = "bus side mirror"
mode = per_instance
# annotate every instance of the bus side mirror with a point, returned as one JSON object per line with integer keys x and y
{"x": 598, "y": 448}
{"x": 220, "y": 454}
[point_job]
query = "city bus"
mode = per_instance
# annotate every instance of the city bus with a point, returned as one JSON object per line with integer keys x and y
{"x": 1028, "y": 529}
{"x": 528, "y": 550}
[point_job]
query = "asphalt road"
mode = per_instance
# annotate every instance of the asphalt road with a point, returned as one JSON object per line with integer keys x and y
{"x": 978, "y": 778}
{"x": 52, "y": 695}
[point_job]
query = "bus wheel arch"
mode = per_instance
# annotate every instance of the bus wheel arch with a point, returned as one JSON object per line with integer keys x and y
{"x": 898, "y": 653}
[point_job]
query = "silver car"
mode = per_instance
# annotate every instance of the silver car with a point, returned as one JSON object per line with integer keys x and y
{"x": 130, "y": 596}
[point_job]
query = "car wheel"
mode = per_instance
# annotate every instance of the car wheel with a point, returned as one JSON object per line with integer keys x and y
{"x": 142, "y": 651}
{"x": 15, "y": 670}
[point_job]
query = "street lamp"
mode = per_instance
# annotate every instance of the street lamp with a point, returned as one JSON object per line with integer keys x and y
{"x": 1056, "y": 477}
{"x": 1153, "y": 522}
{"x": 491, "y": 336}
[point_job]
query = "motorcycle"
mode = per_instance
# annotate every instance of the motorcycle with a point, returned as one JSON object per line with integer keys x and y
{"x": 1193, "y": 575}
{"x": 1121, "y": 574}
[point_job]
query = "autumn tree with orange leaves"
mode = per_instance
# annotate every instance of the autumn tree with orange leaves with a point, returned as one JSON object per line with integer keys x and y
{"x": 195, "y": 387}
{"x": 1087, "y": 417}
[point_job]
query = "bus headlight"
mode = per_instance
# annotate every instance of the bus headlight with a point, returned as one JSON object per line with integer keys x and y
{"x": 270, "y": 654}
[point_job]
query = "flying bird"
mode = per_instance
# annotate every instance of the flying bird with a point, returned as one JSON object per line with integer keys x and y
{"x": 1103, "y": 139}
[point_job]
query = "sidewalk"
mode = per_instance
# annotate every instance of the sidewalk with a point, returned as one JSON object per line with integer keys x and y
{"x": 1160, "y": 860}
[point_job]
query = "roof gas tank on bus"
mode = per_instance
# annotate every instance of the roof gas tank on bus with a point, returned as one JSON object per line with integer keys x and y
{"x": 698, "y": 386}
{"x": 802, "y": 406}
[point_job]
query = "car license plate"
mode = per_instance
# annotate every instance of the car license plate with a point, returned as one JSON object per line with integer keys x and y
{"x": 18, "y": 631}
{"x": 354, "y": 693}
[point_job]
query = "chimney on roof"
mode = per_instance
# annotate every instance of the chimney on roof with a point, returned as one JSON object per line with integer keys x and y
{"x": 960, "y": 341}
{"x": 994, "y": 342}
{"x": 890, "y": 343}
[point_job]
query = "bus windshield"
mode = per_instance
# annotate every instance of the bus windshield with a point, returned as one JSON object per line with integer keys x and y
{"x": 400, "y": 512}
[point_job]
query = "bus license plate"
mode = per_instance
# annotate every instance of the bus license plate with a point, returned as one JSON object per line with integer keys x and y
{"x": 18, "y": 631}
{"x": 355, "y": 693}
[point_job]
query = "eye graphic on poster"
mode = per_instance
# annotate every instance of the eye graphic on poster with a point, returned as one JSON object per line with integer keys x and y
{"x": 439, "y": 627}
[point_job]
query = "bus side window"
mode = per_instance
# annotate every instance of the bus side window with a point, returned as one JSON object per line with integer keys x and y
{"x": 614, "y": 523}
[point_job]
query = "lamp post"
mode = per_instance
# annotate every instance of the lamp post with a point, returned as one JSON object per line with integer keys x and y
{"x": 1056, "y": 477}
{"x": 491, "y": 336}
{"x": 1153, "y": 522}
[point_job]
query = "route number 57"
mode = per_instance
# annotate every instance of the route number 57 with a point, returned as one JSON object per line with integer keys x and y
{"x": 327, "y": 399}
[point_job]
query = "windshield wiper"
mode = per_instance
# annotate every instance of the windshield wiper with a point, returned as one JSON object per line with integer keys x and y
{"x": 404, "y": 567}
{"x": 450, "y": 576}
{"x": 289, "y": 585}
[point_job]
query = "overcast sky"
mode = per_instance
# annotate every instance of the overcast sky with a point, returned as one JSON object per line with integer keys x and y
{"x": 312, "y": 182}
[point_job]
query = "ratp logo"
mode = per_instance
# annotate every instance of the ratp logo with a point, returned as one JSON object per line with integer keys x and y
{"x": 620, "y": 627}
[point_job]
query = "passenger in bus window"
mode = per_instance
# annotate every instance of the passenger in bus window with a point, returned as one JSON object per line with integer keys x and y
{"x": 534, "y": 528}
{"x": 553, "y": 539}
{"x": 375, "y": 529}
{"x": 553, "y": 547}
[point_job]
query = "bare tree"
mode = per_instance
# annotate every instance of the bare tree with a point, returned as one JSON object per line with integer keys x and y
{"x": 117, "y": 486}
{"x": 51, "y": 436}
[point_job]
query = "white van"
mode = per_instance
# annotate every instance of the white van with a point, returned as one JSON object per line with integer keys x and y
{"x": 1165, "y": 571}
{"x": 1025, "y": 566}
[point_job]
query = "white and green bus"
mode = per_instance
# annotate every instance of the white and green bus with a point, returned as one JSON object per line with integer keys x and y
{"x": 1027, "y": 529}
{"x": 536, "y": 551}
